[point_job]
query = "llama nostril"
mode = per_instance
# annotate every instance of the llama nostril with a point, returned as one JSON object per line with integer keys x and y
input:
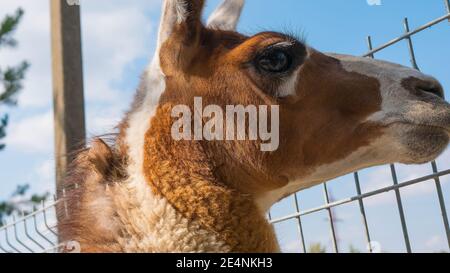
{"x": 423, "y": 86}
{"x": 431, "y": 87}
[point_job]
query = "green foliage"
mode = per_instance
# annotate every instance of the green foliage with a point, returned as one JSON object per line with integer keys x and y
{"x": 317, "y": 248}
{"x": 11, "y": 77}
{"x": 3, "y": 124}
{"x": 7, "y": 28}
{"x": 353, "y": 249}
{"x": 19, "y": 202}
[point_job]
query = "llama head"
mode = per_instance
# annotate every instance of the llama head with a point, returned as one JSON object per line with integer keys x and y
{"x": 337, "y": 113}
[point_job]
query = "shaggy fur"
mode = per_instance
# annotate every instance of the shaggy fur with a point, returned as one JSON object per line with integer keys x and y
{"x": 145, "y": 192}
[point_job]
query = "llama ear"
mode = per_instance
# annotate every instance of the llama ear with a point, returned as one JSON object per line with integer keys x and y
{"x": 181, "y": 19}
{"x": 226, "y": 16}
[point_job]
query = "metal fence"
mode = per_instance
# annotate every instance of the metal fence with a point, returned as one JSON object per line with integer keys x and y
{"x": 32, "y": 233}
{"x": 396, "y": 186}
{"x": 37, "y": 231}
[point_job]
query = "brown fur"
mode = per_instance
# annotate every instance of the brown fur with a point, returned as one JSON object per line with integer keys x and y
{"x": 183, "y": 173}
{"x": 329, "y": 110}
{"x": 93, "y": 170}
{"x": 214, "y": 185}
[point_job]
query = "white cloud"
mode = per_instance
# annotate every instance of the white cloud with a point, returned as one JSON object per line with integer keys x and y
{"x": 381, "y": 177}
{"x": 292, "y": 247}
{"x": 112, "y": 39}
{"x": 34, "y": 46}
{"x": 436, "y": 243}
{"x": 44, "y": 177}
{"x": 33, "y": 134}
{"x": 104, "y": 120}
{"x": 45, "y": 170}
{"x": 115, "y": 34}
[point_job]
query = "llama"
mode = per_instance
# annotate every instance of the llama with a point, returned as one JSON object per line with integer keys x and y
{"x": 146, "y": 192}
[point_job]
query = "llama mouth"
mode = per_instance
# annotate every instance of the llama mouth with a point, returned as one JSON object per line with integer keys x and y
{"x": 433, "y": 128}
{"x": 429, "y": 126}
{"x": 424, "y": 142}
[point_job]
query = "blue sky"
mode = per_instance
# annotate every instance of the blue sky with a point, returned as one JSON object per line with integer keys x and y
{"x": 118, "y": 41}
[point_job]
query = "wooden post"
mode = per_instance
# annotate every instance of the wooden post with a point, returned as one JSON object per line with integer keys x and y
{"x": 68, "y": 98}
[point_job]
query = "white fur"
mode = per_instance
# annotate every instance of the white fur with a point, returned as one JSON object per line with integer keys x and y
{"x": 289, "y": 87}
{"x": 372, "y": 155}
{"x": 226, "y": 16}
{"x": 162, "y": 228}
{"x": 181, "y": 10}
{"x": 397, "y": 104}
{"x": 173, "y": 12}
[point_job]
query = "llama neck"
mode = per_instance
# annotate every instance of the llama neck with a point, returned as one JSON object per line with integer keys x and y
{"x": 172, "y": 202}
{"x": 182, "y": 174}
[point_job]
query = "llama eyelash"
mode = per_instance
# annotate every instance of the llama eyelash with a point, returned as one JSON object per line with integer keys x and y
{"x": 296, "y": 35}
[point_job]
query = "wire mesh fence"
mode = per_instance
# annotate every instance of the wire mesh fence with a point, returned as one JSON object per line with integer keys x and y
{"x": 435, "y": 176}
{"x": 37, "y": 232}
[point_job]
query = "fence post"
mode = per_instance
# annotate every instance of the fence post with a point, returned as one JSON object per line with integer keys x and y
{"x": 68, "y": 98}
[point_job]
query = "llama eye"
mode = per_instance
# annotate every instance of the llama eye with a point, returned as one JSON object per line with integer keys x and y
{"x": 275, "y": 61}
